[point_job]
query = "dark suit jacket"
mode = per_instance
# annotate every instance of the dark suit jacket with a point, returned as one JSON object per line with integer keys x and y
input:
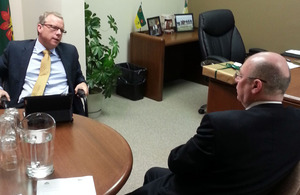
{"x": 234, "y": 152}
{"x": 15, "y": 60}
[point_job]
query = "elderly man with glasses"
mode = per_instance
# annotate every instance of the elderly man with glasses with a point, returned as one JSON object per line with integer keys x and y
{"x": 244, "y": 152}
{"x": 20, "y": 64}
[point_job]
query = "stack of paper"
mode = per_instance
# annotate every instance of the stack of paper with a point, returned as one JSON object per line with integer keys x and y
{"x": 75, "y": 186}
{"x": 295, "y": 54}
{"x": 292, "y": 65}
{"x": 293, "y": 51}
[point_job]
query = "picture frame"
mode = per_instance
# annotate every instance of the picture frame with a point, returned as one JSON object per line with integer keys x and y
{"x": 154, "y": 26}
{"x": 184, "y": 22}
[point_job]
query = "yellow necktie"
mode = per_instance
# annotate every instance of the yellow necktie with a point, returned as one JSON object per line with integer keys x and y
{"x": 40, "y": 84}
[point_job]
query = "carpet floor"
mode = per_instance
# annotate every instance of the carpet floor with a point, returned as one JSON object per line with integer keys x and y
{"x": 153, "y": 128}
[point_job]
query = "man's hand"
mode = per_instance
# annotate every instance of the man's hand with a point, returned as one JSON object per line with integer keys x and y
{"x": 3, "y": 98}
{"x": 4, "y": 94}
{"x": 82, "y": 86}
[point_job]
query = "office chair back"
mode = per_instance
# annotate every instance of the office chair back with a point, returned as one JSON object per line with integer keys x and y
{"x": 218, "y": 36}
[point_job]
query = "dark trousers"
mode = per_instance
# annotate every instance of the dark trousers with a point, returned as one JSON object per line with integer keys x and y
{"x": 155, "y": 173}
{"x": 155, "y": 182}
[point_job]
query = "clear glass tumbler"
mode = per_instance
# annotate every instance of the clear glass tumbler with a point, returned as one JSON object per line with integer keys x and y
{"x": 8, "y": 144}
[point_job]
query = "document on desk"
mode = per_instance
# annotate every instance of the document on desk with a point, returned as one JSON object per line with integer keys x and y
{"x": 293, "y": 51}
{"x": 75, "y": 186}
{"x": 292, "y": 65}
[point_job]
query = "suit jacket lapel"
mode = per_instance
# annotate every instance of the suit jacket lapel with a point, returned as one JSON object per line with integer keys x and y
{"x": 65, "y": 63}
{"x": 27, "y": 52}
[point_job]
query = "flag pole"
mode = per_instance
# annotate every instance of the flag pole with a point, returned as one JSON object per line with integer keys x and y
{"x": 141, "y": 27}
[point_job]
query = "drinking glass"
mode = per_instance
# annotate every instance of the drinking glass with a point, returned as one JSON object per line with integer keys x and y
{"x": 9, "y": 159}
{"x": 8, "y": 143}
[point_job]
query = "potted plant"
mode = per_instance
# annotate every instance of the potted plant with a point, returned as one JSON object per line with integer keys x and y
{"x": 101, "y": 71}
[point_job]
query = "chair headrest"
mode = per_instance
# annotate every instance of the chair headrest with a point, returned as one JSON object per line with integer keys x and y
{"x": 217, "y": 22}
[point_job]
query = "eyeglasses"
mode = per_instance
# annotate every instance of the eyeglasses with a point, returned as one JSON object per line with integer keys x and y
{"x": 55, "y": 28}
{"x": 238, "y": 76}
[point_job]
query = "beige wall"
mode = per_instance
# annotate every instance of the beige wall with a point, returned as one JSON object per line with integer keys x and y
{"x": 272, "y": 25}
{"x": 124, "y": 12}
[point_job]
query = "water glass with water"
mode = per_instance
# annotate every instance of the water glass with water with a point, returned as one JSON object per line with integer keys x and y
{"x": 37, "y": 140}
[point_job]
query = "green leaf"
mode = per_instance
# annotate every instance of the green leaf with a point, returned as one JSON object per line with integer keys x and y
{"x": 112, "y": 23}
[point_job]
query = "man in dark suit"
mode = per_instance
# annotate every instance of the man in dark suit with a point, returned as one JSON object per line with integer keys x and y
{"x": 242, "y": 151}
{"x": 21, "y": 60}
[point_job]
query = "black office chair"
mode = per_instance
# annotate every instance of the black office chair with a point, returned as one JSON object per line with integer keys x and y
{"x": 220, "y": 40}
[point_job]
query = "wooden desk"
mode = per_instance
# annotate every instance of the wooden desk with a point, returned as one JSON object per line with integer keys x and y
{"x": 222, "y": 96}
{"x": 84, "y": 147}
{"x": 292, "y": 95}
{"x": 166, "y": 57}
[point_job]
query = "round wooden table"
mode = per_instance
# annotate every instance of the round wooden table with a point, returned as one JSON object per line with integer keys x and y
{"x": 82, "y": 147}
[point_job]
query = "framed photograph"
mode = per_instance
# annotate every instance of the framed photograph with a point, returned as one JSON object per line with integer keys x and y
{"x": 184, "y": 22}
{"x": 154, "y": 26}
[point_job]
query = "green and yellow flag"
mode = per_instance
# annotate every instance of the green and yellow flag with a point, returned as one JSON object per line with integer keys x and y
{"x": 139, "y": 19}
{"x": 6, "y": 30}
{"x": 185, "y": 9}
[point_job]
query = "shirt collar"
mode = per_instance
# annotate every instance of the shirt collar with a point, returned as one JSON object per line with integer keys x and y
{"x": 39, "y": 48}
{"x": 262, "y": 102}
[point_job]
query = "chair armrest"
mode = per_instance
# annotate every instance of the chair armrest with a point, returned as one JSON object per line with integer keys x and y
{"x": 83, "y": 97}
{"x": 80, "y": 93}
{"x": 220, "y": 59}
{"x": 3, "y": 102}
{"x": 213, "y": 60}
{"x": 255, "y": 50}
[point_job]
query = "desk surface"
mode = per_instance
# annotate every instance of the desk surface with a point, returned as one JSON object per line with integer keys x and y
{"x": 175, "y": 38}
{"x": 222, "y": 96}
{"x": 84, "y": 147}
{"x": 180, "y": 37}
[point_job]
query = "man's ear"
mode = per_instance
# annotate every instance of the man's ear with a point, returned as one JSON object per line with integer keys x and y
{"x": 257, "y": 86}
{"x": 39, "y": 27}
